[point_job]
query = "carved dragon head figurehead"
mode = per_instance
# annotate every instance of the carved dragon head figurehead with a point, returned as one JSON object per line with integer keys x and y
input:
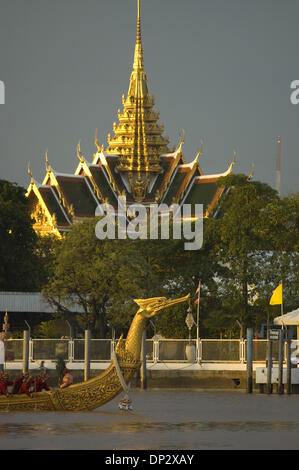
{"x": 148, "y": 308}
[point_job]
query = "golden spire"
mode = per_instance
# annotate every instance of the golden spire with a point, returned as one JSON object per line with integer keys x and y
{"x": 138, "y": 137}
{"x": 138, "y": 56}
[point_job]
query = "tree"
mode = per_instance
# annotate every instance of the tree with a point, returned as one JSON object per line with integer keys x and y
{"x": 101, "y": 277}
{"x": 283, "y": 264}
{"x": 250, "y": 235}
{"x": 179, "y": 272}
{"x": 18, "y": 260}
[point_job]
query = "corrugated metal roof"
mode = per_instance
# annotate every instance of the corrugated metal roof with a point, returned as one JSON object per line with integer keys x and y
{"x": 291, "y": 318}
{"x": 27, "y": 302}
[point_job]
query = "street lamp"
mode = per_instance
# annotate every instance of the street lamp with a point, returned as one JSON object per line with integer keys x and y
{"x": 190, "y": 348}
{"x": 189, "y": 322}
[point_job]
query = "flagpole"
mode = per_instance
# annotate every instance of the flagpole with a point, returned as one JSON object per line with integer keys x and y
{"x": 197, "y": 322}
{"x": 281, "y": 308}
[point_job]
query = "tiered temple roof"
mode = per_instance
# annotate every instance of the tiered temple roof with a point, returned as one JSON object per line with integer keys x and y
{"x": 136, "y": 163}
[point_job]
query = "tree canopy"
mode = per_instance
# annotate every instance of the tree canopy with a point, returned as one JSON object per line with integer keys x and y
{"x": 101, "y": 277}
{"x": 18, "y": 240}
{"x": 250, "y": 245}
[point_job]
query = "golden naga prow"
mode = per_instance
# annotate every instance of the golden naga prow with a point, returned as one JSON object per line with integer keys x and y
{"x": 96, "y": 392}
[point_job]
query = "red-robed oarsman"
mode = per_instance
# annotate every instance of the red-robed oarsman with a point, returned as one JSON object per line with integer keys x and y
{"x": 17, "y": 384}
{"x": 25, "y": 386}
{"x": 40, "y": 384}
{"x": 4, "y": 383}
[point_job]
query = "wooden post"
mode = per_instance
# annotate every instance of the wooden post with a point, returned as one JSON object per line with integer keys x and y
{"x": 280, "y": 388}
{"x": 143, "y": 378}
{"x": 2, "y": 355}
{"x": 25, "y": 351}
{"x": 269, "y": 367}
{"x": 289, "y": 370}
{"x": 87, "y": 355}
{"x": 249, "y": 359}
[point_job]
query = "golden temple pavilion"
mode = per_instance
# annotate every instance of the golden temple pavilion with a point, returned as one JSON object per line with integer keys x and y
{"x": 136, "y": 163}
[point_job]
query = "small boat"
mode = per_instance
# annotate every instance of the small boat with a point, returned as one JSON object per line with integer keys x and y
{"x": 125, "y": 404}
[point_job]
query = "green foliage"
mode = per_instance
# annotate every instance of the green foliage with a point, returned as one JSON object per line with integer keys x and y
{"x": 18, "y": 239}
{"x": 248, "y": 248}
{"x": 255, "y": 239}
{"x": 171, "y": 322}
{"x": 101, "y": 277}
{"x": 24, "y": 257}
{"x": 53, "y": 329}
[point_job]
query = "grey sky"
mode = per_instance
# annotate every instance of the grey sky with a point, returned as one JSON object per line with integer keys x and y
{"x": 220, "y": 69}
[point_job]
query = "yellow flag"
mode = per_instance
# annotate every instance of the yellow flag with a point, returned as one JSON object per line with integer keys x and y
{"x": 276, "y": 298}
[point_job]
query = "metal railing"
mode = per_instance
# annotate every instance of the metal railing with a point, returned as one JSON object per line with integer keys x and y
{"x": 224, "y": 350}
{"x": 13, "y": 350}
{"x": 171, "y": 350}
{"x": 100, "y": 350}
{"x": 49, "y": 349}
{"x": 157, "y": 350}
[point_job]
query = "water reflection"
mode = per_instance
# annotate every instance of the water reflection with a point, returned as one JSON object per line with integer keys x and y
{"x": 162, "y": 420}
{"x": 57, "y": 429}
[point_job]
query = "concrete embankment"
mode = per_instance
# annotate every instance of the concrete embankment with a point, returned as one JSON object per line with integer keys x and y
{"x": 205, "y": 379}
{"x": 169, "y": 378}
{"x": 164, "y": 375}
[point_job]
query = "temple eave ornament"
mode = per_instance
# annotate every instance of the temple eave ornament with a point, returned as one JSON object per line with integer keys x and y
{"x": 139, "y": 187}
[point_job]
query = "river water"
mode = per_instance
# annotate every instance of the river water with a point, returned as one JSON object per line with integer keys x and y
{"x": 163, "y": 419}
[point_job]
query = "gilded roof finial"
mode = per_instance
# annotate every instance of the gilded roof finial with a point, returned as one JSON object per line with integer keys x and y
{"x": 96, "y": 141}
{"x": 30, "y": 174}
{"x": 233, "y": 162}
{"x": 48, "y": 166}
{"x": 199, "y": 152}
{"x": 182, "y": 135}
{"x": 235, "y": 156}
{"x": 79, "y": 153}
{"x": 252, "y": 172}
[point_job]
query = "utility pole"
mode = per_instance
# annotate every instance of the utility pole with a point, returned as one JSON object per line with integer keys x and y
{"x": 87, "y": 355}
{"x": 278, "y": 165}
{"x": 280, "y": 388}
{"x": 269, "y": 366}
{"x": 289, "y": 366}
{"x": 249, "y": 359}
{"x": 143, "y": 378}
{"x": 25, "y": 351}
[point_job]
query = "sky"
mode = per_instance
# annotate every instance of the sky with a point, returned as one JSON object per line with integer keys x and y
{"x": 220, "y": 70}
